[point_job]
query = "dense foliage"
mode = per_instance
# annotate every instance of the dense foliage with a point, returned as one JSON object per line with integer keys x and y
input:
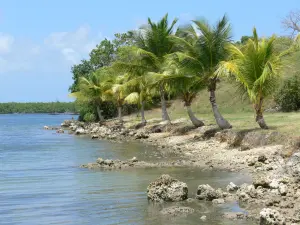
{"x": 288, "y": 96}
{"x": 145, "y": 66}
{"x": 38, "y": 107}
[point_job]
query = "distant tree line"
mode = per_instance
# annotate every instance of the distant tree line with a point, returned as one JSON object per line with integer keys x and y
{"x": 38, "y": 107}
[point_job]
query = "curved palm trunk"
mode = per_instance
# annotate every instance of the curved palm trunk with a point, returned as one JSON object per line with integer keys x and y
{"x": 196, "y": 122}
{"x": 120, "y": 114}
{"x": 259, "y": 115}
{"x": 222, "y": 123}
{"x": 99, "y": 111}
{"x": 143, "y": 113}
{"x": 165, "y": 115}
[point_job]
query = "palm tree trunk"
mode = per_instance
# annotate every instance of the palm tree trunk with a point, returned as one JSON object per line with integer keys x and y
{"x": 165, "y": 115}
{"x": 99, "y": 111}
{"x": 222, "y": 123}
{"x": 120, "y": 114}
{"x": 259, "y": 115}
{"x": 196, "y": 122}
{"x": 143, "y": 112}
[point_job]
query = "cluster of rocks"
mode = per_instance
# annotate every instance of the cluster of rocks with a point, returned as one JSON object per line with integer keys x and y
{"x": 57, "y": 129}
{"x": 260, "y": 192}
{"x": 97, "y": 130}
{"x": 110, "y": 164}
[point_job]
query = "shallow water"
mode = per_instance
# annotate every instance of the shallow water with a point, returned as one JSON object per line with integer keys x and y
{"x": 41, "y": 182}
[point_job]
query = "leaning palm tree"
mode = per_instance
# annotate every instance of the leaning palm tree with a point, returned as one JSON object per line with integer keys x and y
{"x": 201, "y": 49}
{"x": 183, "y": 84}
{"x": 152, "y": 45}
{"x": 93, "y": 89}
{"x": 256, "y": 68}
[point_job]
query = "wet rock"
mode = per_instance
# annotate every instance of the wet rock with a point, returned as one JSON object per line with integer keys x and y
{"x": 46, "y": 127}
{"x": 206, "y": 192}
{"x": 95, "y": 136}
{"x": 203, "y": 218}
{"x": 232, "y": 187}
{"x": 251, "y": 162}
{"x": 80, "y": 131}
{"x": 218, "y": 201}
{"x": 177, "y": 211}
{"x": 245, "y": 192}
{"x": 60, "y": 131}
{"x": 134, "y": 159}
{"x": 271, "y": 217}
{"x": 166, "y": 188}
{"x": 262, "y": 158}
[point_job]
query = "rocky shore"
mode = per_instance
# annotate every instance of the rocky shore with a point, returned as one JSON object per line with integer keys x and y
{"x": 272, "y": 159}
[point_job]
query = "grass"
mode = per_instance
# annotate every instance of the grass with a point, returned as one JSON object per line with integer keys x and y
{"x": 237, "y": 111}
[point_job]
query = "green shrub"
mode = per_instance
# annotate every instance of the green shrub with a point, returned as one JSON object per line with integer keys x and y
{"x": 288, "y": 96}
{"x": 89, "y": 117}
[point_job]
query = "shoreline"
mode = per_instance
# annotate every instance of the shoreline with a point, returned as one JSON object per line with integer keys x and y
{"x": 273, "y": 166}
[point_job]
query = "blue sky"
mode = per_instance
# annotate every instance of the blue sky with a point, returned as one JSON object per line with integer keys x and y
{"x": 41, "y": 40}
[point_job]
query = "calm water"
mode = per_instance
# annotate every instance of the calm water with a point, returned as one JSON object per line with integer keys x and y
{"x": 41, "y": 182}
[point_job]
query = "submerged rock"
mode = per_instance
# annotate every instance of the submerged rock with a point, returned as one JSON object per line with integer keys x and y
{"x": 271, "y": 217}
{"x": 166, "y": 188}
{"x": 177, "y": 211}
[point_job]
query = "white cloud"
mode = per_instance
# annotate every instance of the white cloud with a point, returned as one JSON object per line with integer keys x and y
{"x": 57, "y": 52}
{"x": 6, "y": 42}
{"x": 73, "y": 45}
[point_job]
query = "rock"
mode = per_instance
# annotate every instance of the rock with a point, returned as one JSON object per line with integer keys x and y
{"x": 296, "y": 216}
{"x": 95, "y": 136}
{"x": 67, "y": 123}
{"x": 232, "y": 187}
{"x": 79, "y": 131}
{"x": 261, "y": 180}
{"x": 246, "y": 191}
{"x": 60, "y": 131}
{"x": 177, "y": 211}
{"x": 46, "y": 127}
{"x": 203, "y": 218}
{"x": 274, "y": 184}
{"x": 234, "y": 215}
{"x": 134, "y": 159}
{"x": 141, "y": 135}
{"x": 100, "y": 161}
{"x": 206, "y": 192}
{"x": 251, "y": 162}
{"x": 262, "y": 158}
{"x": 218, "y": 201}
{"x": 282, "y": 189}
{"x": 166, "y": 188}
{"x": 271, "y": 217}
{"x": 293, "y": 165}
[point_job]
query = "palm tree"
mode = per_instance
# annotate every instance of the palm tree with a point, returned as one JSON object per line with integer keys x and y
{"x": 152, "y": 45}
{"x": 256, "y": 68}
{"x": 139, "y": 88}
{"x": 93, "y": 89}
{"x": 117, "y": 93}
{"x": 182, "y": 83}
{"x": 201, "y": 50}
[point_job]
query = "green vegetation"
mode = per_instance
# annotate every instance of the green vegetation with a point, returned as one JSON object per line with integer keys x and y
{"x": 38, "y": 107}
{"x": 156, "y": 64}
{"x": 288, "y": 97}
